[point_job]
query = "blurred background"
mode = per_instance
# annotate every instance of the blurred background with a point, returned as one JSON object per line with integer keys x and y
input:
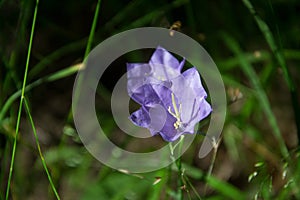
{"x": 255, "y": 45}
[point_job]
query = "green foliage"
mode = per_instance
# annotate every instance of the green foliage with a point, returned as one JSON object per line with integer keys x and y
{"x": 256, "y": 53}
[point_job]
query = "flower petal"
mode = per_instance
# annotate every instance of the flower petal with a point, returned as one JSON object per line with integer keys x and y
{"x": 158, "y": 117}
{"x": 146, "y": 96}
{"x": 136, "y": 75}
{"x": 168, "y": 132}
{"x": 204, "y": 110}
{"x": 193, "y": 80}
{"x": 163, "y": 57}
{"x": 164, "y": 94}
{"x": 141, "y": 118}
{"x": 164, "y": 65}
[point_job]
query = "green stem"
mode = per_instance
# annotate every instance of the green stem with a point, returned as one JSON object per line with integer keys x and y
{"x": 279, "y": 56}
{"x": 261, "y": 95}
{"x": 21, "y": 102}
{"x": 178, "y": 165}
{"x": 39, "y": 149}
{"x": 92, "y": 33}
{"x": 52, "y": 77}
{"x": 87, "y": 51}
{"x": 215, "y": 145}
{"x": 188, "y": 182}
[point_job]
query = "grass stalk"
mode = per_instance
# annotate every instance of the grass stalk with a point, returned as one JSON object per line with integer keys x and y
{"x": 188, "y": 182}
{"x": 261, "y": 95}
{"x": 39, "y": 149}
{"x": 50, "y": 78}
{"x": 21, "y": 101}
{"x": 215, "y": 145}
{"x": 92, "y": 32}
{"x": 87, "y": 50}
{"x": 279, "y": 56}
{"x": 178, "y": 166}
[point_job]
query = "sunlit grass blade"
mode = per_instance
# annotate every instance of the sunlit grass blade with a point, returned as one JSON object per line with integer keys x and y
{"x": 52, "y": 77}
{"x": 39, "y": 148}
{"x": 67, "y": 49}
{"x": 21, "y": 101}
{"x": 62, "y": 73}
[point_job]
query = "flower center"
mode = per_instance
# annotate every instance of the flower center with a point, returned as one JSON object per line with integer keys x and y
{"x": 178, "y": 124}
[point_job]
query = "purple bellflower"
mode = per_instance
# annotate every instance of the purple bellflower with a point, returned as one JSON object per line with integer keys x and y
{"x": 172, "y": 103}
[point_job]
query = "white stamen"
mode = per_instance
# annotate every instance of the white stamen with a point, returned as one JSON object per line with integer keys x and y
{"x": 178, "y": 123}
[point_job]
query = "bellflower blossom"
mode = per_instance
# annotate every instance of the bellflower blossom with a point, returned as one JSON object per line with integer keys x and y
{"x": 172, "y": 103}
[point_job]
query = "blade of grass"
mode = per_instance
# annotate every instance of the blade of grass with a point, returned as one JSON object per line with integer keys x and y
{"x": 280, "y": 59}
{"x": 233, "y": 62}
{"x": 271, "y": 42}
{"x": 21, "y": 101}
{"x": 263, "y": 56}
{"x": 39, "y": 149}
{"x": 63, "y": 73}
{"x": 92, "y": 32}
{"x": 179, "y": 173}
{"x": 69, "y": 48}
{"x": 87, "y": 51}
{"x": 226, "y": 189}
{"x": 52, "y": 77}
{"x": 156, "y": 190}
{"x": 215, "y": 145}
{"x": 292, "y": 54}
{"x": 75, "y": 46}
{"x": 117, "y": 19}
{"x": 188, "y": 182}
{"x": 19, "y": 42}
{"x": 261, "y": 95}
